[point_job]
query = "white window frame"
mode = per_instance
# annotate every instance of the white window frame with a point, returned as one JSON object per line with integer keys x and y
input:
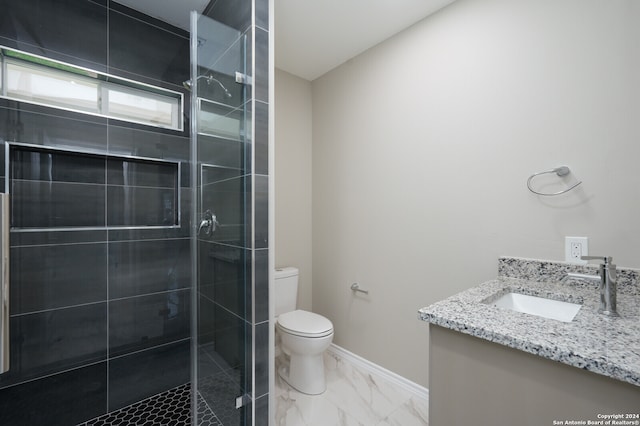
{"x": 104, "y": 83}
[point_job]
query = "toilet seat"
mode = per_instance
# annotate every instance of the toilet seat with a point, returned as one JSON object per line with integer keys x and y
{"x": 305, "y": 324}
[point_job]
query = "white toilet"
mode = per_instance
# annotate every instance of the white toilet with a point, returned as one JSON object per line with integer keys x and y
{"x": 304, "y": 336}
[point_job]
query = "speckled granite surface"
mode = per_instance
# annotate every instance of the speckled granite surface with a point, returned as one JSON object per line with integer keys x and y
{"x": 592, "y": 341}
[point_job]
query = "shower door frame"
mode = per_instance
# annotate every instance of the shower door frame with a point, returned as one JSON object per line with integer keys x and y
{"x": 241, "y": 400}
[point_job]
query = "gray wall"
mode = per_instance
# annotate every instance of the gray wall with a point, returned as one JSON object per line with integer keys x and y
{"x": 293, "y": 175}
{"x": 422, "y": 147}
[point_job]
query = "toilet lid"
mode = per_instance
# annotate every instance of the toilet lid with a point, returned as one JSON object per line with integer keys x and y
{"x": 305, "y": 323}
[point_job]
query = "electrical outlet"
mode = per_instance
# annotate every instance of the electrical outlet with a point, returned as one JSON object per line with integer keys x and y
{"x": 575, "y": 248}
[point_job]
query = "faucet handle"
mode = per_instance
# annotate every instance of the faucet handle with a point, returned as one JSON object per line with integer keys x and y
{"x": 605, "y": 259}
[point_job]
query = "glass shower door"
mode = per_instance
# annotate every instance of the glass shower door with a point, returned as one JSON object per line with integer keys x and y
{"x": 221, "y": 199}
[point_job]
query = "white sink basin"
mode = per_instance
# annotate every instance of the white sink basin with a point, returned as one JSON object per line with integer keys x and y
{"x": 540, "y": 306}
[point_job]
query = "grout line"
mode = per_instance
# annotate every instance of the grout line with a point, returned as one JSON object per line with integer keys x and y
{"x": 248, "y": 321}
{"x": 157, "y": 293}
{"x": 80, "y": 305}
{"x": 174, "y": 342}
{"x": 104, "y": 241}
{"x": 108, "y": 346}
{"x": 105, "y": 301}
{"x": 90, "y": 364}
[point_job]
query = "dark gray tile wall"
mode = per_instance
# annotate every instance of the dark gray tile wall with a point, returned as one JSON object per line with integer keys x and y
{"x": 84, "y": 389}
{"x": 52, "y": 188}
{"x": 165, "y": 50}
{"x": 229, "y": 200}
{"x": 57, "y": 204}
{"x": 52, "y": 341}
{"x": 152, "y": 266}
{"x": 43, "y": 28}
{"x": 38, "y": 125}
{"x": 135, "y": 355}
{"x": 138, "y": 206}
{"x": 138, "y": 323}
{"x": 233, "y": 13}
{"x": 142, "y": 374}
{"x": 261, "y": 77}
{"x": 99, "y": 318}
{"x": 55, "y": 276}
{"x": 261, "y": 72}
{"x": 53, "y": 166}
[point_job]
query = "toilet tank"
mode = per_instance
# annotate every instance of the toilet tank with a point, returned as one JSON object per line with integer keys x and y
{"x": 286, "y": 287}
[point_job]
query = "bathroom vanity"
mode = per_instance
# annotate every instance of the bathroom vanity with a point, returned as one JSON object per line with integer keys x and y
{"x": 494, "y": 366}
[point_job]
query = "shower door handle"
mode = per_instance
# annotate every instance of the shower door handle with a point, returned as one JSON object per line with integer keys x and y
{"x": 4, "y": 283}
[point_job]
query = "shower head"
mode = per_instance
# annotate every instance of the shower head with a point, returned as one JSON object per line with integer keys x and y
{"x": 188, "y": 84}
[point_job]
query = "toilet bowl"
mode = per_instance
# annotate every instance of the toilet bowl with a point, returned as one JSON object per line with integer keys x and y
{"x": 304, "y": 336}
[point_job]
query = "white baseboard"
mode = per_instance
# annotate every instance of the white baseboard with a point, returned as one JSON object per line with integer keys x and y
{"x": 366, "y": 365}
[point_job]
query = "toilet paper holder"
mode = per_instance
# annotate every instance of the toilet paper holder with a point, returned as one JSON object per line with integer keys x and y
{"x": 355, "y": 287}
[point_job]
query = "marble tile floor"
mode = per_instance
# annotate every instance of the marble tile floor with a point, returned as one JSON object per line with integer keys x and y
{"x": 354, "y": 397}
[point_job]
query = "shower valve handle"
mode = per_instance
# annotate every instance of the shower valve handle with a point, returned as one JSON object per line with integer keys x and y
{"x": 208, "y": 223}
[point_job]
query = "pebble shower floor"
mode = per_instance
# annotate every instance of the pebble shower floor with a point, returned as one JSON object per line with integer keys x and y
{"x": 170, "y": 408}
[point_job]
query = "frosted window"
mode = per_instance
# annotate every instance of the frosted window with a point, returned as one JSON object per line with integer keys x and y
{"x": 51, "y": 87}
{"x": 43, "y": 81}
{"x": 143, "y": 107}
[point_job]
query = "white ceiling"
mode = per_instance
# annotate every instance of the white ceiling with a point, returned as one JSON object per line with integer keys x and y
{"x": 313, "y": 37}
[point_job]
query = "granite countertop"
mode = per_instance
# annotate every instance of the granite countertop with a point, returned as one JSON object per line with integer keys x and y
{"x": 605, "y": 345}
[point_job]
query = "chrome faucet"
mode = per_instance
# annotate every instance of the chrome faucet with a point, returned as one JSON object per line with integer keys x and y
{"x": 608, "y": 283}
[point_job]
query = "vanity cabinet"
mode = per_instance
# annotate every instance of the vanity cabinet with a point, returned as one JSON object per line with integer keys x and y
{"x": 476, "y": 382}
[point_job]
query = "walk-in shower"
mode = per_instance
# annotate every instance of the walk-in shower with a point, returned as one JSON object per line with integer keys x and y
{"x": 112, "y": 150}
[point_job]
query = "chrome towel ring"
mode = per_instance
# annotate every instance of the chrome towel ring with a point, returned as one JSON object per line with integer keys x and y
{"x": 560, "y": 171}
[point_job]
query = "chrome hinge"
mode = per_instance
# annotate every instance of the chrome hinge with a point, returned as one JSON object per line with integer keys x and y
{"x": 242, "y": 400}
{"x": 243, "y": 78}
